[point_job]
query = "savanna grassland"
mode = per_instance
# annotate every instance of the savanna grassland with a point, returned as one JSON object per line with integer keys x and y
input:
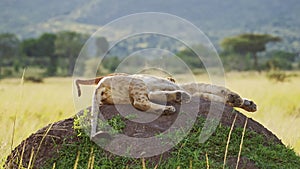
{"x": 25, "y": 108}
{"x": 31, "y": 106}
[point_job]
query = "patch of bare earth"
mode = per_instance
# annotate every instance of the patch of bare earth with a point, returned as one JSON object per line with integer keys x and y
{"x": 46, "y": 142}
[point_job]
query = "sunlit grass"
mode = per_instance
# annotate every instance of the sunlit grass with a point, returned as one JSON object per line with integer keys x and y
{"x": 41, "y": 104}
{"x": 34, "y": 105}
{"x": 278, "y": 103}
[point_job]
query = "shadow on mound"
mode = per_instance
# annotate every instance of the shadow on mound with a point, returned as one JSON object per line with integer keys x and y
{"x": 47, "y": 142}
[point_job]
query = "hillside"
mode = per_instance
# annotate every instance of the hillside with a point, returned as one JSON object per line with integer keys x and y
{"x": 217, "y": 19}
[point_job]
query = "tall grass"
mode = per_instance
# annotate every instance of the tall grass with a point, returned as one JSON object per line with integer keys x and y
{"x": 278, "y": 103}
{"x": 228, "y": 141}
{"x": 40, "y": 105}
{"x": 241, "y": 145}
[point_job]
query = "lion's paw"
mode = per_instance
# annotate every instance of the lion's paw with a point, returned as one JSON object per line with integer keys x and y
{"x": 169, "y": 110}
{"x": 182, "y": 96}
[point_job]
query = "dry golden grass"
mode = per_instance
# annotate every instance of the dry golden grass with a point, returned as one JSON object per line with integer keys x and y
{"x": 278, "y": 103}
{"x": 36, "y": 105}
{"x": 33, "y": 105}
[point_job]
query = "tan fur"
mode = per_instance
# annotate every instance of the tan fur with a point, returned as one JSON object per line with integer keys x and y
{"x": 135, "y": 90}
{"x": 143, "y": 90}
{"x": 94, "y": 81}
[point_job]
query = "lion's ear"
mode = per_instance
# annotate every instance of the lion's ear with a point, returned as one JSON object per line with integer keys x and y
{"x": 171, "y": 79}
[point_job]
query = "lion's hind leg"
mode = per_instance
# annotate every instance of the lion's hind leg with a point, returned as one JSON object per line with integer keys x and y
{"x": 178, "y": 96}
{"x": 141, "y": 102}
{"x": 138, "y": 94}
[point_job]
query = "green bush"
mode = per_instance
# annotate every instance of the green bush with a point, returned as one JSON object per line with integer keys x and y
{"x": 34, "y": 79}
{"x": 279, "y": 76}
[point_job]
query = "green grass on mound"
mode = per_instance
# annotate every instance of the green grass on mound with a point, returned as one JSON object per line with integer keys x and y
{"x": 258, "y": 150}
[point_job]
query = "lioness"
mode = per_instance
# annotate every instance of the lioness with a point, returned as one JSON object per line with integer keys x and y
{"x": 145, "y": 92}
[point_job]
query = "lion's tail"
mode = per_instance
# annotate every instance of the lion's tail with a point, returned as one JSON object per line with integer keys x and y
{"x": 79, "y": 82}
{"x": 94, "y": 81}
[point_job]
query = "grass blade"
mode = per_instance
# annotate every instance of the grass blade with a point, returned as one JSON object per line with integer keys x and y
{"x": 207, "y": 162}
{"x": 90, "y": 158}
{"x": 30, "y": 159}
{"x": 228, "y": 140}
{"x": 13, "y": 132}
{"x": 15, "y": 117}
{"x": 143, "y": 163}
{"x": 241, "y": 144}
{"x": 38, "y": 149}
{"x": 93, "y": 161}
{"x": 22, "y": 154}
{"x": 77, "y": 159}
{"x": 53, "y": 167}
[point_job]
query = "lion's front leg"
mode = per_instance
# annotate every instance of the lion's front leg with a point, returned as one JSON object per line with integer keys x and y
{"x": 206, "y": 88}
{"x": 248, "y": 105}
{"x": 218, "y": 94}
{"x": 208, "y": 91}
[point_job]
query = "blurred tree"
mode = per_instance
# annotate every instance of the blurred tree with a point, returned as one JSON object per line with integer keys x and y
{"x": 102, "y": 45}
{"x": 42, "y": 50}
{"x": 191, "y": 58}
{"x": 111, "y": 63}
{"x": 9, "y": 49}
{"x": 29, "y": 47}
{"x": 68, "y": 45}
{"x": 46, "y": 44}
{"x": 280, "y": 60}
{"x": 232, "y": 61}
{"x": 248, "y": 43}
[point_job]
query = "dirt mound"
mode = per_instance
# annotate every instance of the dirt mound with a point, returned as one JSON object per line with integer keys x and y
{"x": 46, "y": 142}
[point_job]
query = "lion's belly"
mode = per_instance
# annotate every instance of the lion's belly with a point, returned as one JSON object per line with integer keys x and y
{"x": 159, "y": 84}
{"x": 118, "y": 95}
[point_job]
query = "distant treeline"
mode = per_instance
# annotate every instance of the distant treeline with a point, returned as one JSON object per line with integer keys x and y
{"x": 55, "y": 54}
{"x": 52, "y": 54}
